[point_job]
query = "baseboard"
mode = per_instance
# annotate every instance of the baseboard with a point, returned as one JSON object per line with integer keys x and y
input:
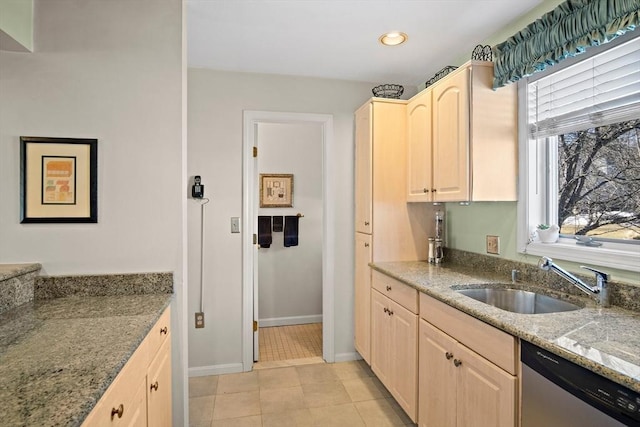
{"x": 347, "y": 357}
{"x": 287, "y": 321}
{"x": 202, "y": 371}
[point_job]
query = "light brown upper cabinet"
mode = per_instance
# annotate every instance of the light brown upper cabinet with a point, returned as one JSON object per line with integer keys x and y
{"x": 464, "y": 147}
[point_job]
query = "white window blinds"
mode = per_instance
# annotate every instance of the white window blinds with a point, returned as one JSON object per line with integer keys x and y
{"x": 600, "y": 90}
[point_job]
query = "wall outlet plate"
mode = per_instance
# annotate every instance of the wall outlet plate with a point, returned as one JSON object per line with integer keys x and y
{"x": 493, "y": 245}
{"x": 199, "y": 320}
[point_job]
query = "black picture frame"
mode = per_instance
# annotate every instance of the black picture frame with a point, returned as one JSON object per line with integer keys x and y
{"x": 58, "y": 180}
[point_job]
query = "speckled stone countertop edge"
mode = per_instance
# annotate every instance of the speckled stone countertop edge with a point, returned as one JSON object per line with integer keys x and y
{"x": 8, "y": 271}
{"x": 418, "y": 273}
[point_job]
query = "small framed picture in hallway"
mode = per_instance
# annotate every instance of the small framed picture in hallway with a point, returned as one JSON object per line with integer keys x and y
{"x": 276, "y": 190}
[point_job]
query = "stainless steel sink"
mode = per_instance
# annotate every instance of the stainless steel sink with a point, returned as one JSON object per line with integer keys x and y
{"x": 519, "y": 301}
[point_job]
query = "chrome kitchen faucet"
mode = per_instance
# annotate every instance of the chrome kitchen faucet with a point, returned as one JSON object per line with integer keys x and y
{"x": 600, "y": 290}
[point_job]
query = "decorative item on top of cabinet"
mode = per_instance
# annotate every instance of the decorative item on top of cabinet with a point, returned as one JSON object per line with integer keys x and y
{"x": 472, "y": 139}
{"x": 392, "y": 91}
{"x": 482, "y": 53}
{"x": 440, "y": 74}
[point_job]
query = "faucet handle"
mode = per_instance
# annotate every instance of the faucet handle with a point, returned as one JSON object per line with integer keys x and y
{"x": 600, "y": 275}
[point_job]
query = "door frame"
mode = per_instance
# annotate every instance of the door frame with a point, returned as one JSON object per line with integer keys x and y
{"x": 250, "y": 192}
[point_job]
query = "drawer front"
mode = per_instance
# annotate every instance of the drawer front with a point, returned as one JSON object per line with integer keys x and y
{"x": 159, "y": 333}
{"x": 122, "y": 404}
{"x": 403, "y": 294}
{"x": 493, "y": 344}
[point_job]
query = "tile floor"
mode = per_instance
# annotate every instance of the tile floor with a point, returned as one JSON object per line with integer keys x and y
{"x": 290, "y": 342}
{"x": 343, "y": 394}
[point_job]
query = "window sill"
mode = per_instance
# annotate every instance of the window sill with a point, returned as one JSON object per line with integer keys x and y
{"x": 628, "y": 259}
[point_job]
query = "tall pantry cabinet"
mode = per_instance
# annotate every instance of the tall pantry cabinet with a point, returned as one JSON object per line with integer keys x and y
{"x": 387, "y": 228}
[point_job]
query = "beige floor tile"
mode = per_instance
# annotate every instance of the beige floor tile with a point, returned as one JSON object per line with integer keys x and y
{"x": 336, "y": 416}
{"x": 236, "y": 405}
{"x": 236, "y": 383}
{"x": 278, "y": 378}
{"x": 353, "y": 369}
{"x": 320, "y": 373}
{"x": 400, "y": 412}
{"x": 378, "y": 413}
{"x": 297, "y": 418}
{"x": 381, "y": 386}
{"x": 203, "y": 386}
{"x": 360, "y": 389}
{"x": 201, "y": 410}
{"x": 281, "y": 399}
{"x": 253, "y": 421}
{"x": 325, "y": 394}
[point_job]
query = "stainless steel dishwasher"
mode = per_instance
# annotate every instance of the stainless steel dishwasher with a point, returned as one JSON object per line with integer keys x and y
{"x": 559, "y": 393}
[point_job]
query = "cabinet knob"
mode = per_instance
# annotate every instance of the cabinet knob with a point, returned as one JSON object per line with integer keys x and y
{"x": 366, "y": 223}
{"x": 433, "y": 190}
{"x": 448, "y": 355}
{"x": 366, "y": 245}
{"x": 164, "y": 331}
{"x": 386, "y": 310}
{"x": 388, "y": 288}
{"x": 390, "y": 313}
{"x": 457, "y": 362}
{"x": 425, "y": 190}
{"x": 154, "y": 386}
{"x": 117, "y": 412}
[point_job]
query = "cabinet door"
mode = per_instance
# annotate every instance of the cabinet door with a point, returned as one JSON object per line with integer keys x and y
{"x": 419, "y": 183}
{"x": 488, "y": 392}
{"x": 437, "y": 383}
{"x": 363, "y": 166}
{"x": 404, "y": 358}
{"x": 380, "y": 337}
{"x": 362, "y": 291}
{"x": 159, "y": 387}
{"x": 451, "y": 138}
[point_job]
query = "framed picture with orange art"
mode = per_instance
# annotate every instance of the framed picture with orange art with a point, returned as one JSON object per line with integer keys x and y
{"x": 58, "y": 180}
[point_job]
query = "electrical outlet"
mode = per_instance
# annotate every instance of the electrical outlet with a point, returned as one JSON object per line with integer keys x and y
{"x": 199, "y": 320}
{"x": 493, "y": 245}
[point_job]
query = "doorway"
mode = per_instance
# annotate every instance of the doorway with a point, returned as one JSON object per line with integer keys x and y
{"x": 251, "y": 190}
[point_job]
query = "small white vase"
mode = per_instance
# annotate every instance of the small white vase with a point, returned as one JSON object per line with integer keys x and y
{"x": 550, "y": 235}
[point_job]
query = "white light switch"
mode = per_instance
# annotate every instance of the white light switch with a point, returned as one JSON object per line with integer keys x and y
{"x": 235, "y": 224}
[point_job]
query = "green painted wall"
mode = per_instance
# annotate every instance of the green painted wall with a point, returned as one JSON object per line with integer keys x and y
{"x": 16, "y": 21}
{"x": 468, "y": 226}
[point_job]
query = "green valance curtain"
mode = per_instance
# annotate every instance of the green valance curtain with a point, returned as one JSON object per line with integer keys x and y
{"x": 566, "y": 31}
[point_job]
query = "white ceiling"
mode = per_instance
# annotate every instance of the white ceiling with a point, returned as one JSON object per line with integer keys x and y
{"x": 338, "y": 39}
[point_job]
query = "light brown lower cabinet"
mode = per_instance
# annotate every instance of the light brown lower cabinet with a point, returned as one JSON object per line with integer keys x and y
{"x": 140, "y": 395}
{"x": 394, "y": 350}
{"x": 458, "y": 387}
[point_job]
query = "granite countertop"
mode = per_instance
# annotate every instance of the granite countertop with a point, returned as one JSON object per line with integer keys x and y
{"x": 58, "y": 356}
{"x": 8, "y": 271}
{"x": 603, "y": 340}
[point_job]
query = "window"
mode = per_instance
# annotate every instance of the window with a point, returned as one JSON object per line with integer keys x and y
{"x": 580, "y": 157}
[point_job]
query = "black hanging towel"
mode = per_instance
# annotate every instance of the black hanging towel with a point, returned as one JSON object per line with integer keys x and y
{"x": 277, "y": 223}
{"x": 264, "y": 231}
{"x": 290, "y": 230}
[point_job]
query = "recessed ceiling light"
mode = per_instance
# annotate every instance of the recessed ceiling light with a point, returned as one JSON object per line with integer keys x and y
{"x": 393, "y": 38}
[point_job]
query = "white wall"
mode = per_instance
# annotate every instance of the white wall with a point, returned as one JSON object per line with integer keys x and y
{"x": 290, "y": 279}
{"x": 16, "y": 25}
{"x": 110, "y": 70}
{"x": 216, "y": 102}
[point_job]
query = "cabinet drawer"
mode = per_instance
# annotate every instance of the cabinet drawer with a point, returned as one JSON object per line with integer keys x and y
{"x": 403, "y": 294}
{"x": 493, "y": 344}
{"x": 159, "y": 333}
{"x": 124, "y": 393}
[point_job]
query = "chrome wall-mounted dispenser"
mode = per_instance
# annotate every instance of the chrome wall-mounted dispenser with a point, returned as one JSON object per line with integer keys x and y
{"x": 436, "y": 244}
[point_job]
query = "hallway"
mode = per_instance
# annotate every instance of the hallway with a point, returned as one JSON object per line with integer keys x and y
{"x": 343, "y": 394}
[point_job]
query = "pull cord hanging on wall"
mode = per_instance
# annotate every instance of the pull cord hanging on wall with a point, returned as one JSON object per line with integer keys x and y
{"x": 202, "y": 235}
